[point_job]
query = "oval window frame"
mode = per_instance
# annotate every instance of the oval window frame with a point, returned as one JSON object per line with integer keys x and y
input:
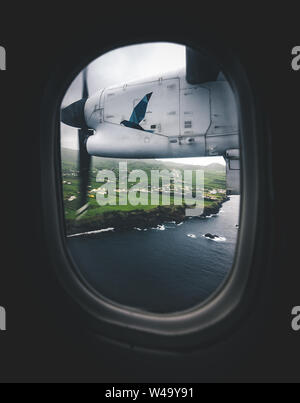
{"x": 205, "y": 322}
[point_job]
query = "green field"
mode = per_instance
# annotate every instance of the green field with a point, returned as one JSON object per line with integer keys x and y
{"x": 214, "y": 185}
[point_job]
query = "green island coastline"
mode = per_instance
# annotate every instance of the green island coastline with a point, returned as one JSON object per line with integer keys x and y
{"x": 124, "y": 217}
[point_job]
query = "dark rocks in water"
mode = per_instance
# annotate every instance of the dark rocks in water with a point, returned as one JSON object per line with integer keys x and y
{"x": 209, "y": 235}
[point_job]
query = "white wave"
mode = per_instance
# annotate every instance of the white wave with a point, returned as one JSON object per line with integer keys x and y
{"x": 92, "y": 232}
{"x": 180, "y": 224}
{"x": 220, "y": 239}
{"x": 191, "y": 236}
{"x": 217, "y": 239}
{"x": 137, "y": 229}
{"x": 209, "y": 216}
{"x": 160, "y": 227}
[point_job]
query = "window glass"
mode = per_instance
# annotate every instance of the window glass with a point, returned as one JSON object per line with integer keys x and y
{"x": 151, "y": 176}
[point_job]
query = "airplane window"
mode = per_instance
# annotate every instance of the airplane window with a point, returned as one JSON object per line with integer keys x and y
{"x": 151, "y": 176}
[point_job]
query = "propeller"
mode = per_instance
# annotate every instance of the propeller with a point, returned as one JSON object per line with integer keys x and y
{"x": 73, "y": 115}
{"x": 84, "y": 156}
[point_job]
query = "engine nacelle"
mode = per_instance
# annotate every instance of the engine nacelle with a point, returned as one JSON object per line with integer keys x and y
{"x": 116, "y": 141}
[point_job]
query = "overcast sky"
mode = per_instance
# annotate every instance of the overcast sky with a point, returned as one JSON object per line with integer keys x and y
{"x": 124, "y": 65}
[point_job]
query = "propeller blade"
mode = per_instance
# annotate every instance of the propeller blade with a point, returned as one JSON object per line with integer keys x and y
{"x": 84, "y": 166}
{"x": 84, "y": 156}
{"x": 85, "y": 91}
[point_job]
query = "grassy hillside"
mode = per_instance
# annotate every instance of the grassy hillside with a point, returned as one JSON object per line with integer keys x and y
{"x": 214, "y": 186}
{"x": 70, "y": 158}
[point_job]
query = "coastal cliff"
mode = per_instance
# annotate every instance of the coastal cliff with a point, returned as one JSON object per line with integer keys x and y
{"x": 142, "y": 219}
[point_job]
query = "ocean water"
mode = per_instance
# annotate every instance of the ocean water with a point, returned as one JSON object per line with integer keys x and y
{"x": 167, "y": 269}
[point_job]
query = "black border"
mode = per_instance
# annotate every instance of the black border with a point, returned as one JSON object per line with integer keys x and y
{"x": 201, "y": 325}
